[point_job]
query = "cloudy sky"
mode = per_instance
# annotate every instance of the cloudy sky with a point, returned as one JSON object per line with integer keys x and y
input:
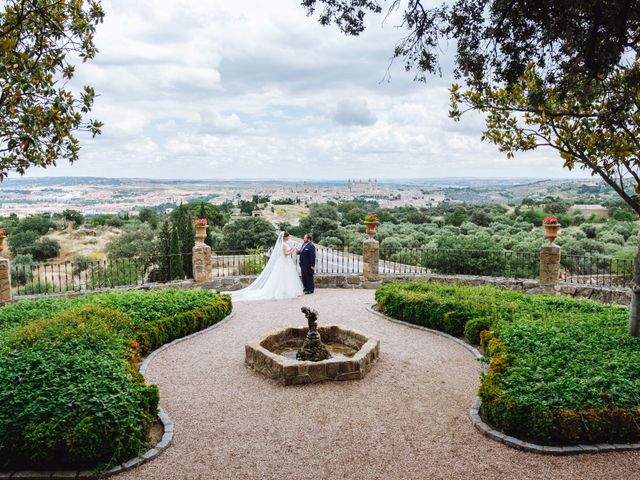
{"x": 256, "y": 89}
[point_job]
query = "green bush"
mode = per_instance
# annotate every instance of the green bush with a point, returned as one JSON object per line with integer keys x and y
{"x": 473, "y": 328}
{"x": 21, "y": 269}
{"x": 561, "y": 371}
{"x": 44, "y": 249}
{"x": 70, "y": 393}
{"x": 440, "y": 306}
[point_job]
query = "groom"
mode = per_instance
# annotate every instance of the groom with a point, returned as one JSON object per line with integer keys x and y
{"x": 307, "y": 263}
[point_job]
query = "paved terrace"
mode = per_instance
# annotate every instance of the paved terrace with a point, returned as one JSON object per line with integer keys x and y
{"x": 406, "y": 420}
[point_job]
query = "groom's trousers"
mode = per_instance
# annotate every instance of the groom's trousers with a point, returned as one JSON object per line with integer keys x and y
{"x": 307, "y": 279}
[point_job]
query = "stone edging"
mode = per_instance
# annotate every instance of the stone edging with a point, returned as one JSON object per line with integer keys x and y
{"x": 162, "y": 445}
{"x": 489, "y": 431}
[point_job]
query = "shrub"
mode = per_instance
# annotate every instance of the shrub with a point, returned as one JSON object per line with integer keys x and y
{"x": 44, "y": 249}
{"x": 114, "y": 221}
{"x": 69, "y": 391}
{"x": 474, "y": 327}
{"x": 20, "y": 243}
{"x": 561, "y": 371}
{"x": 251, "y": 232}
{"x": 254, "y": 262}
{"x": 136, "y": 242}
{"x": 115, "y": 273}
{"x": 81, "y": 263}
{"x": 21, "y": 269}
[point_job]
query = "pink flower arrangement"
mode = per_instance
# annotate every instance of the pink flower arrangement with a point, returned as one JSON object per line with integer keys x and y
{"x": 200, "y": 222}
{"x": 552, "y": 220}
{"x": 371, "y": 217}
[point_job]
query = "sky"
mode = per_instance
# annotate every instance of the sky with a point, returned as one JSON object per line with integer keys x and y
{"x": 213, "y": 89}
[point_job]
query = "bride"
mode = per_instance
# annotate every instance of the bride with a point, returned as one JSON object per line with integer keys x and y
{"x": 279, "y": 279}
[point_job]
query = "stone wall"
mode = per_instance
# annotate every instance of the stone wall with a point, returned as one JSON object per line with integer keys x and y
{"x": 621, "y": 296}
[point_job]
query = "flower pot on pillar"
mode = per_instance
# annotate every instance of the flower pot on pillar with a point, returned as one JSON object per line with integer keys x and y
{"x": 550, "y": 257}
{"x": 201, "y": 229}
{"x": 371, "y": 223}
{"x": 5, "y": 272}
{"x": 551, "y": 230}
{"x": 371, "y": 228}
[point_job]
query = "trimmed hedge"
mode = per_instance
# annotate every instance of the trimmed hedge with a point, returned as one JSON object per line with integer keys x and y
{"x": 70, "y": 392}
{"x": 561, "y": 371}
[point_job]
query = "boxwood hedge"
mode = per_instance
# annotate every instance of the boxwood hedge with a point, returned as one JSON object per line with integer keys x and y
{"x": 561, "y": 371}
{"x": 70, "y": 393}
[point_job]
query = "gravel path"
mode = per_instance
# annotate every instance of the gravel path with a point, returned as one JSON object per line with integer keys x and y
{"x": 406, "y": 420}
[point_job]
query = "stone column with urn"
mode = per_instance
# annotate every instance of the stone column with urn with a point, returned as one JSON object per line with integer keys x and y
{"x": 5, "y": 273}
{"x": 550, "y": 257}
{"x": 371, "y": 253}
{"x": 201, "y": 258}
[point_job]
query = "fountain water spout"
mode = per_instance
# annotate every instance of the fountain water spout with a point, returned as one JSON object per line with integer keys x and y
{"x": 312, "y": 349}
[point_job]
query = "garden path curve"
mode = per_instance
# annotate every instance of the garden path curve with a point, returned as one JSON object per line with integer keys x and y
{"x": 406, "y": 420}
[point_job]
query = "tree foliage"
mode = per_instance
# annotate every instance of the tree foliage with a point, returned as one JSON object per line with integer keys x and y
{"x": 39, "y": 112}
{"x": 136, "y": 242}
{"x": 70, "y": 215}
{"x": 563, "y": 74}
{"x": 250, "y": 232}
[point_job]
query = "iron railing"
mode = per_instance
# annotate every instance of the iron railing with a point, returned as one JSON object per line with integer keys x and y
{"x": 252, "y": 262}
{"x": 596, "y": 270}
{"x": 47, "y": 278}
{"x": 329, "y": 260}
{"x": 63, "y": 277}
{"x": 239, "y": 262}
{"x": 493, "y": 263}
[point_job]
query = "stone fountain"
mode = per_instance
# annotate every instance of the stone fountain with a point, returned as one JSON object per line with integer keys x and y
{"x": 313, "y": 354}
{"x": 312, "y": 348}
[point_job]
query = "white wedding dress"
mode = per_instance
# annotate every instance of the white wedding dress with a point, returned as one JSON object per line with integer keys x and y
{"x": 278, "y": 280}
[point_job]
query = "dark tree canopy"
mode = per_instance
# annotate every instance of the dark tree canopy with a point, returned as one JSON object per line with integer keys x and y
{"x": 563, "y": 74}
{"x": 558, "y": 73}
{"x": 39, "y": 113}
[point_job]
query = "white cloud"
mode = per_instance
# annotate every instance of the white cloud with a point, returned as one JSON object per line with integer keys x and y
{"x": 257, "y": 89}
{"x": 354, "y": 112}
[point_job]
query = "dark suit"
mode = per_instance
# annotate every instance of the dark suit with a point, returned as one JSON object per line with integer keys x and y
{"x": 307, "y": 260}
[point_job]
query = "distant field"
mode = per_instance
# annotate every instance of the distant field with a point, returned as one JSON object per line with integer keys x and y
{"x": 285, "y": 213}
{"x": 77, "y": 242}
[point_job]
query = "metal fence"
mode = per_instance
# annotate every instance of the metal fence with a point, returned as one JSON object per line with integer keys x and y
{"x": 329, "y": 260}
{"x": 493, "y": 263}
{"x": 252, "y": 262}
{"x": 46, "y": 278}
{"x": 93, "y": 275}
{"x": 239, "y": 262}
{"x": 596, "y": 270}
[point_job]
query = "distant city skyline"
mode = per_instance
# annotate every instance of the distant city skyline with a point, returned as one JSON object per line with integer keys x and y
{"x": 245, "y": 89}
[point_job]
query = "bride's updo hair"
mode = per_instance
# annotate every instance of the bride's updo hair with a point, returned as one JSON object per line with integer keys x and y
{"x": 286, "y": 235}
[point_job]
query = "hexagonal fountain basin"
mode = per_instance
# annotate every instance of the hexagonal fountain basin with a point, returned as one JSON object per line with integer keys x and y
{"x": 274, "y": 355}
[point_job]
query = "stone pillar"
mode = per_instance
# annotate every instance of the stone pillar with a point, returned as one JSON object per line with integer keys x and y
{"x": 5, "y": 281}
{"x": 202, "y": 269}
{"x": 549, "y": 267}
{"x": 371, "y": 261}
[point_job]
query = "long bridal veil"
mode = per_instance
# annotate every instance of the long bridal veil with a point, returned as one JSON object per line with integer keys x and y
{"x": 279, "y": 279}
